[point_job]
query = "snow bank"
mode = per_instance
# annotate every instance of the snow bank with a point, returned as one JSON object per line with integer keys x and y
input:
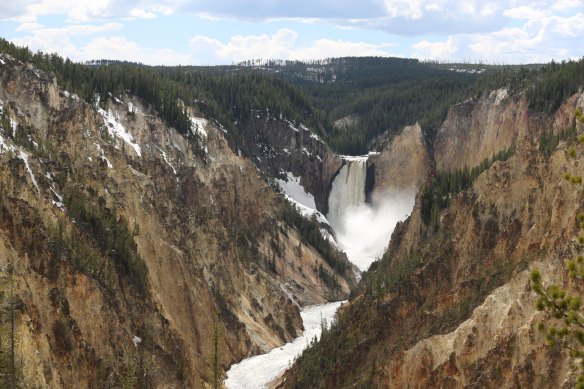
{"x": 291, "y": 186}
{"x": 14, "y": 126}
{"x": 302, "y": 199}
{"x": 257, "y": 372}
{"x": 24, "y": 158}
{"x": 116, "y": 129}
{"x": 4, "y": 147}
{"x": 198, "y": 126}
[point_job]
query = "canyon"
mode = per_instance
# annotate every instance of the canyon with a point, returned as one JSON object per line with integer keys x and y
{"x": 135, "y": 254}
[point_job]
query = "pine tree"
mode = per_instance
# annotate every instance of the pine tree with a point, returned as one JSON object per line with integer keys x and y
{"x": 565, "y": 325}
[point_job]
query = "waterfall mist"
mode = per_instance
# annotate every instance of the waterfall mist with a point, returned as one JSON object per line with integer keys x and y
{"x": 363, "y": 230}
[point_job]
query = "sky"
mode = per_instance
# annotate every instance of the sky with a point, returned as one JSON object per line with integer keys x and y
{"x": 211, "y": 32}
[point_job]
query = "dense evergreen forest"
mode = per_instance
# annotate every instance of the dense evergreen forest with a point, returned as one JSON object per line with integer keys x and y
{"x": 382, "y": 94}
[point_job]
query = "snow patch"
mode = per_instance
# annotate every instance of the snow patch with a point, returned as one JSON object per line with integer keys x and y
{"x": 258, "y": 371}
{"x": 133, "y": 108}
{"x": 136, "y": 340}
{"x": 198, "y": 127}
{"x": 292, "y": 127}
{"x": 102, "y": 156}
{"x": 499, "y": 95}
{"x": 292, "y": 187}
{"x": 166, "y": 159}
{"x": 58, "y": 204}
{"x": 24, "y": 158}
{"x": 14, "y": 126}
{"x": 5, "y": 147}
{"x": 70, "y": 96}
{"x": 116, "y": 129}
{"x": 302, "y": 199}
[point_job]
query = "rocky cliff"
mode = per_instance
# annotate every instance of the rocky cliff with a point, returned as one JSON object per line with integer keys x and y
{"x": 277, "y": 147}
{"x": 451, "y": 306}
{"x": 477, "y": 129}
{"x": 402, "y": 167}
{"x": 137, "y": 254}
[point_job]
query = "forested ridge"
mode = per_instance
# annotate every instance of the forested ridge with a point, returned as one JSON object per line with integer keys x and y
{"x": 384, "y": 94}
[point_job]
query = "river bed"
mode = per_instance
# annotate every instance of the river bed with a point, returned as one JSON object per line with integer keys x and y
{"x": 258, "y": 371}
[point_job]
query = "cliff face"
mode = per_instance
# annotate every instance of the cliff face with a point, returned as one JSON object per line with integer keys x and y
{"x": 134, "y": 247}
{"x": 277, "y": 146}
{"x": 476, "y": 130}
{"x": 452, "y": 307}
{"x": 402, "y": 167}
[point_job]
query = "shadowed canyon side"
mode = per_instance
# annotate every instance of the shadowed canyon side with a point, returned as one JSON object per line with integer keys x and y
{"x": 133, "y": 246}
{"x": 278, "y": 147}
{"x": 450, "y": 303}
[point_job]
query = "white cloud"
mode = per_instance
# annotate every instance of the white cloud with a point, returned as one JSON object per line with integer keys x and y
{"x": 241, "y": 47}
{"x": 524, "y": 12}
{"x": 488, "y": 9}
{"x": 410, "y": 9}
{"x": 493, "y": 30}
{"x": 328, "y": 48}
{"x": 567, "y": 5}
{"x": 518, "y": 42}
{"x": 118, "y": 47}
{"x": 281, "y": 45}
{"x": 435, "y": 50}
{"x": 58, "y": 40}
{"x": 467, "y": 7}
{"x": 87, "y": 10}
{"x": 434, "y": 7}
{"x": 13, "y": 9}
{"x": 571, "y": 26}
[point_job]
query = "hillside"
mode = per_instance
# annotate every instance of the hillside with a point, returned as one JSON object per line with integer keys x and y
{"x": 134, "y": 251}
{"x": 450, "y": 304}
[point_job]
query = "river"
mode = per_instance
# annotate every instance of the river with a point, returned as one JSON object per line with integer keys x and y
{"x": 258, "y": 371}
{"x": 362, "y": 231}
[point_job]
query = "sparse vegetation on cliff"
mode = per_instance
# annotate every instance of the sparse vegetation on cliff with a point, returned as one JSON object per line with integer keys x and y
{"x": 565, "y": 323}
{"x": 310, "y": 232}
{"x": 438, "y": 193}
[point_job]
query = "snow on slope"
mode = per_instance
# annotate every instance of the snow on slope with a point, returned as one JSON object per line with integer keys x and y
{"x": 302, "y": 199}
{"x": 198, "y": 127}
{"x": 116, "y": 129}
{"x": 4, "y": 147}
{"x": 257, "y": 372}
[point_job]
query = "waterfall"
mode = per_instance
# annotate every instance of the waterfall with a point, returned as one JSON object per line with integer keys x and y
{"x": 362, "y": 231}
{"x": 348, "y": 190}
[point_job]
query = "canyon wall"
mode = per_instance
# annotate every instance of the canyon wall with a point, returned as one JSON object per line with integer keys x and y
{"x": 135, "y": 252}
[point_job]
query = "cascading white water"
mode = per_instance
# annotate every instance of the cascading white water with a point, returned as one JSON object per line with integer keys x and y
{"x": 348, "y": 190}
{"x": 362, "y": 230}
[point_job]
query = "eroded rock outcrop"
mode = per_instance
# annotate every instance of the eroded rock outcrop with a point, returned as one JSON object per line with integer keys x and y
{"x": 475, "y": 130}
{"x": 402, "y": 167}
